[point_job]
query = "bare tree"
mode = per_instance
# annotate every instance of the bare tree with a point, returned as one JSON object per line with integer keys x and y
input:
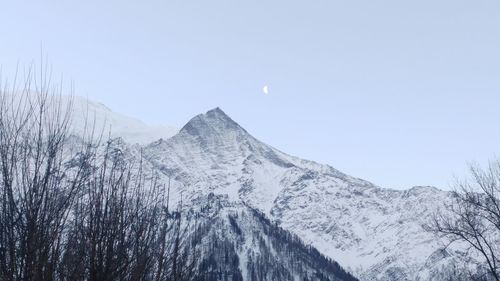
{"x": 474, "y": 217}
{"x": 122, "y": 228}
{"x": 74, "y": 208}
{"x": 36, "y": 189}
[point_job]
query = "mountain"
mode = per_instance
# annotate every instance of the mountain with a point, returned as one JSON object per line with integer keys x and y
{"x": 88, "y": 115}
{"x": 375, "y": 233}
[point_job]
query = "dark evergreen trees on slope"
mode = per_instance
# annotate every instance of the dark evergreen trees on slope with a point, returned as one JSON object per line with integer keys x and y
{"x": 240, "y": 243}
{"x": 302, "y": 256}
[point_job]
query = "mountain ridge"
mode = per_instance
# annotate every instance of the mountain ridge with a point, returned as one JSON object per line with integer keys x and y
{"x": 366, "y": 228}
{"x": 374, "y": 232}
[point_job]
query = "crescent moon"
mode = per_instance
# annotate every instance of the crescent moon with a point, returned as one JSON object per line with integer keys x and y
{"x": 265, "y": 90}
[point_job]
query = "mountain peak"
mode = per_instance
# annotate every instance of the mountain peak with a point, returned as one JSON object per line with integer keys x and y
{"x": 216, "y": 110}
{"x": 214, "y": 120}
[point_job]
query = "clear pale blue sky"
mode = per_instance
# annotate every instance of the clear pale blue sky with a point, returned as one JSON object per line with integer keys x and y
{"x": 401, "y": 93}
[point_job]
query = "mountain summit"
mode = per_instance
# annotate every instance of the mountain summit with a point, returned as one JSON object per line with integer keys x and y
{"x": 215, "y": 121}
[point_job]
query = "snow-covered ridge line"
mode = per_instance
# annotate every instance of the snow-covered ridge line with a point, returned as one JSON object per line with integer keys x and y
{"x": 130, "y": 129}
{"x": 87, "y": 116}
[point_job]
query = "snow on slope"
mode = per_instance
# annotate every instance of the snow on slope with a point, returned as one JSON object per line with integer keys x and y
{"x": 85, "y": 112}
{"x": 89, "y": 117}
{"x": 375, "y": 232}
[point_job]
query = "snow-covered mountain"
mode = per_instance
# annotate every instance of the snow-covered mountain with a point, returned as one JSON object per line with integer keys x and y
{"x": 88, "y": 115}
{"x": 92, "y": 118}
{"x": 374, "y": 232}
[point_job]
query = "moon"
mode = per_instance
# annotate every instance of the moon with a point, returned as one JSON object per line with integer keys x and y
{"x": 265, "y": 90}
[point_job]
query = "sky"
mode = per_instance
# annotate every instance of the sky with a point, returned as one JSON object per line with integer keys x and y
{"x": 400, "y": 93}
